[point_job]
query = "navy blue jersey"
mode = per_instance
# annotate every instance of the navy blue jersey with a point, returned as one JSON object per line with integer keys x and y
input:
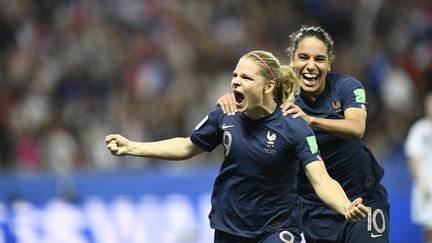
{"x": 255, "y": 191}
{"x": 347, "y": 160}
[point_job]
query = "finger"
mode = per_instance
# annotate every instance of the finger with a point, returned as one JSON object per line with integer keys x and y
{"x": 359, "y": 204}
{"x": 358, "y": 201}
{"x": 289, "y": 111}
{"x": 223, "y": 107}
{"x": 363, "y": 209}
{"x": 285, "y": 106}
{"x": 232, "y": 105}
{"x": 296, "y": 115}
{"x": 112, "y": 147}
{"x": 358, "y": 213}
{"x": 108, "y": 138}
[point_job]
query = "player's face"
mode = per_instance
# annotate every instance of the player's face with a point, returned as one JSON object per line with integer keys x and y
{"x": 248, "y": 85}
{"x": 311, "y": 62}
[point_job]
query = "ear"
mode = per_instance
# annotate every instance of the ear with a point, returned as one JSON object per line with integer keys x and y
{"x": 269, "y": 87}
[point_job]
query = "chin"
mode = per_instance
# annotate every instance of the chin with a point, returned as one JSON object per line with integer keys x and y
{"x": 241, "y": 107}
{"x": 309, "y": 89}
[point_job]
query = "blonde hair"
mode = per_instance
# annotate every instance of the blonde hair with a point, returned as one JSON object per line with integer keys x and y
{"x": 287, "y": 82}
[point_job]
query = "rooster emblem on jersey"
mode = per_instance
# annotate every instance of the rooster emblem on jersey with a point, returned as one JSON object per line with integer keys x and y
{"x": 336, "y": 105}
{"x": 271, "y": 137}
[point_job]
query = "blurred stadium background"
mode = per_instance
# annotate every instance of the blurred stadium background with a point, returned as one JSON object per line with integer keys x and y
{"x": 73, "y": 71}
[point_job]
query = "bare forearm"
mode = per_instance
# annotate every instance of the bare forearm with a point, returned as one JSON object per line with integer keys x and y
{"x": 170, "y": 149}
{"x": 344, "y": 128}
{"x": 332, "y": 194}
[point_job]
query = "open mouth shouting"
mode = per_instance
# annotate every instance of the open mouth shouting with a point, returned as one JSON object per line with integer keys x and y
{"x": 239, "y": 98}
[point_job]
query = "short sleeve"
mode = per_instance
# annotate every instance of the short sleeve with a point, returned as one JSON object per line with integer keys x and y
{"x": 307, "y": 147}
{"x": 207, "y": 135}
{"x": 352, "y": 94}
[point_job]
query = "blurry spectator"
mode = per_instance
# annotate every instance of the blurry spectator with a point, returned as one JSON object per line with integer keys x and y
{"x": 419, "y": 153}
{"x": 73, "y": 56}
{"x": 6, "y": 147}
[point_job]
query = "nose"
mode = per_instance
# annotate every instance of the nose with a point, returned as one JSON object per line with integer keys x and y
{"x": 235, "y": 82}
{"x": 310, "y": 63}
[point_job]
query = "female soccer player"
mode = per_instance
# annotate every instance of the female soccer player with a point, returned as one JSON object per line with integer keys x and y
{"x": 334, "y": 106}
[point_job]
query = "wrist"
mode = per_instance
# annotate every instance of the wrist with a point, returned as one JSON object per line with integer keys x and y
{"x": 311, "y": 121}
{"x": 346, "y": 209}
{"x": 130, "y": 147}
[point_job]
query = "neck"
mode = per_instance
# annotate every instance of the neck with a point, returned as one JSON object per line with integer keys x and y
{"x": 262, "y": 111}
{"x": 312, "y": 96}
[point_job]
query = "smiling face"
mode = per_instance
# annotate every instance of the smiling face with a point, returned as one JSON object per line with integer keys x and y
{"x": 311, "y": 62}
{"x": 253, "y": 95}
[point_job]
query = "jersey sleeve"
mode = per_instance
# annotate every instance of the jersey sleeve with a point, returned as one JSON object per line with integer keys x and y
{"x": 352, "y": 94}
{"x": 307, "y": 147}
{"x": 207, "y": 135}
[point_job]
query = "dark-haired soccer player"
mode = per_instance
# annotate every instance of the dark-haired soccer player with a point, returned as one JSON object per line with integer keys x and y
{"x": 334, "y": 105}
{"x": 254, "y": 196}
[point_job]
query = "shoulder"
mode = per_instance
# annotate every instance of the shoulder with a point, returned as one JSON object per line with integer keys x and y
{"x": 422, "y": 125}
{"x": 216, "y": 113}
{"x": 296, "y": 125}
{"x": 213, "y": 118}
{"x": 342, "y": 80}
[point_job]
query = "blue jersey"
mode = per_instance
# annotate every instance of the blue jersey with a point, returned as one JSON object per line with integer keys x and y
{"x": 255, "y": 190}
{"x": 348, "y": 161}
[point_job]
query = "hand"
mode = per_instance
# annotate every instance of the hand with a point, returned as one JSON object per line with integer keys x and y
{"x": 117, "y": 144}
{"x": 227, "y": 104}
{"x": 355, "y": 211}
{"x": 291, "y": 108}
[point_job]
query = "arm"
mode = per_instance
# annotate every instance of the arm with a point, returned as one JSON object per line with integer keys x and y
{"x": 332, "y": 194}
{"x": 227, "y": 104}
{"x": 170, "y": 149}
{"x": 353, "y": 126}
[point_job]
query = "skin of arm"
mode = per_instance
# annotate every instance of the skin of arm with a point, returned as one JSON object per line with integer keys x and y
{"x": 332, "y": 194}
{"x": 170, "y": 149}
{"x": 353, "y": 126}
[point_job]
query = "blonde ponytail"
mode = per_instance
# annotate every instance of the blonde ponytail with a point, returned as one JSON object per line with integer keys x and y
{"x": 289, "y": 84}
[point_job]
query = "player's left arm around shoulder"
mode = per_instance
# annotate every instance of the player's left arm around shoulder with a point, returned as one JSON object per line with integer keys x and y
{"x": 332, "y": 194}
{"x": 352, "y": 126}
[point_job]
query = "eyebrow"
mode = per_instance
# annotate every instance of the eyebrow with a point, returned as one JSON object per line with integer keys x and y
{"x": 246, "y": 76}
{"x": 317, "y": 56}
{"x": 243, "y": 75}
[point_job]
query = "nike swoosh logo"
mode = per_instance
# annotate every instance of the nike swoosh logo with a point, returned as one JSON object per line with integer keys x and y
{"x": 226, "y": 126}
{"x": 375, "y": 236}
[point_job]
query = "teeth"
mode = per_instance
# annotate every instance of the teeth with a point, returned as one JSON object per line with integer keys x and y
{"x": 309, "y": 75}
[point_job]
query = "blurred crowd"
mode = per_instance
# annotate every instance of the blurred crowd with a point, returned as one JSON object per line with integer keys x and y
{"x": 72, "y": 71}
